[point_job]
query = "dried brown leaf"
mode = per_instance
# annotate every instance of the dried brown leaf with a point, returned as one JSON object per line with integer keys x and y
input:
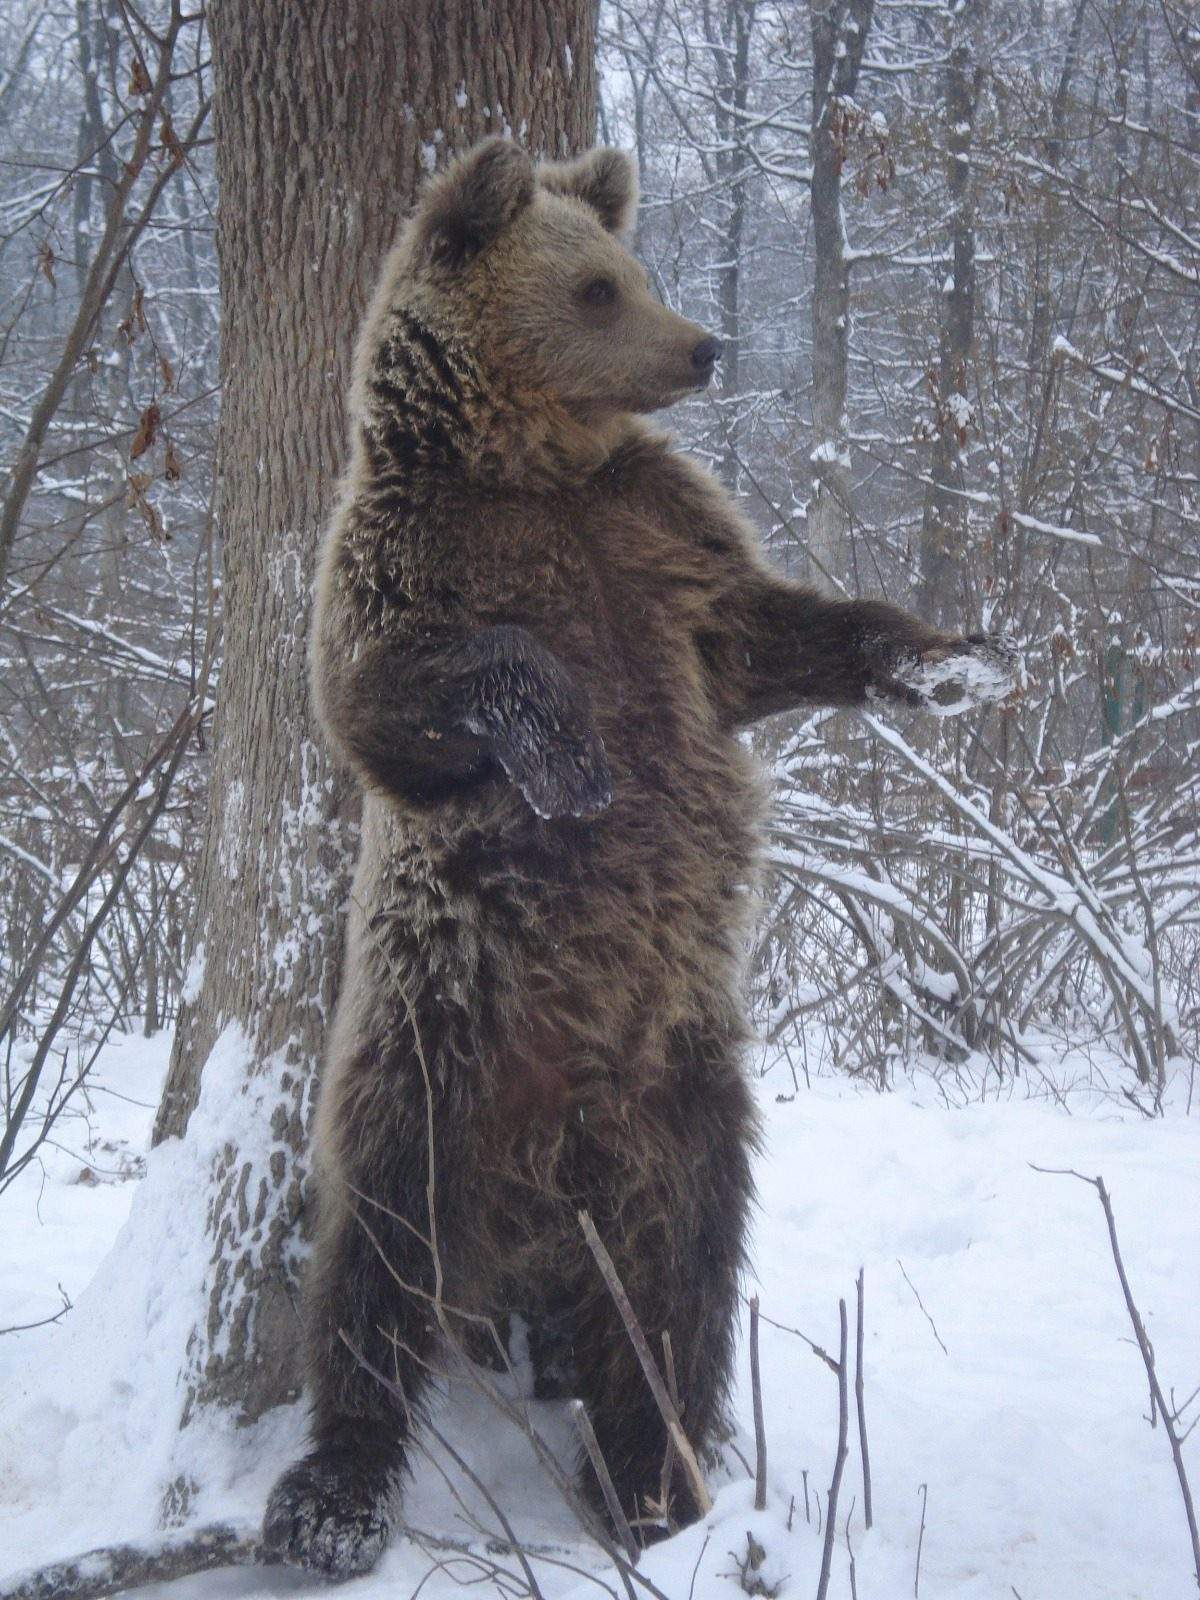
{"x": 151, "y": 518}
{"x": 170, "y": 141}
{"x": 147, "y": 431}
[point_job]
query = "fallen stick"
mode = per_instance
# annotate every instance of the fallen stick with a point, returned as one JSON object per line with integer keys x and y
{"x": 114, "y": 1568}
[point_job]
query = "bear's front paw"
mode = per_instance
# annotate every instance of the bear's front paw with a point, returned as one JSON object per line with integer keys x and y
{"x": 327, "y": 1515}
{"x": 957, "y": 676}
{"x": 571, "y": 779}
{"x": 560, "y": 774}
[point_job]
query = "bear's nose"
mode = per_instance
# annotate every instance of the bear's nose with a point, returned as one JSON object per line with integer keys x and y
{"x": 707, "y": 353}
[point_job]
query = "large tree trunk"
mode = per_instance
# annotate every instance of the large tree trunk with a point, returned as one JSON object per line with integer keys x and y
{"x": 839, "y": 38}
{"x": 327, "y": 118}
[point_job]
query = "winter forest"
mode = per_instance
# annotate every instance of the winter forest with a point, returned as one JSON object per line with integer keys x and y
{"x": 952, "y": 251}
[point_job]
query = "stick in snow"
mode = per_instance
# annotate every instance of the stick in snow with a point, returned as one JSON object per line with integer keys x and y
{"x": 1168, "y": 1414}
{"x": 668, "y": 1466}
{"x": 860, "y": 1404}
{"x": 600, "y": 1467}
{"x": 840, "y": 1460}
{"x": 658, "y": 1388}
{"x": 760, "y": 1434}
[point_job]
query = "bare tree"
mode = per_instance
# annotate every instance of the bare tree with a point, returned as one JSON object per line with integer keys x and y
{"x": 839, "y": 39}
{"x": 944, "y": 523}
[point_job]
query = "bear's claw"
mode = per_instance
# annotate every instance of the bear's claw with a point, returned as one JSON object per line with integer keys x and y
{"x": 325, "y": 1517}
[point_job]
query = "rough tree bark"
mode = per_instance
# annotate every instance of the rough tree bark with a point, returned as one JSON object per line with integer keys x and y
{"x": 327, "y": 118}
{"x": 944, "y": 519}
{"x": 839, "y": 38}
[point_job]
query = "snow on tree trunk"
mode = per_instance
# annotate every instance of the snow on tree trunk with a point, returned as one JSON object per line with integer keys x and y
{"x": 839, "y": 37}
{"x": 327, "y": 118}
{"x": 944, "y": 518}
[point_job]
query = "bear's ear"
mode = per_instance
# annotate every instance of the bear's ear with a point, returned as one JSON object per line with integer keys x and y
{"x": 473, "y": 201}
{"x": 606, "y": 180}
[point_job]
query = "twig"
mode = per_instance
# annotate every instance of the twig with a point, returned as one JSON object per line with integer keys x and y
{"x": 850, "y": 1553}
{"x": 514, "y": 1544}
{"x": 822, "y": 1355}
{"x": 696, "y": 1568}
{"x": 658, "y": 1388}
{"x": 26, "y": 1327}
{"x": 1169, "y": 1416}
{"x": 760, "y": 1433}
{"x": 924, "y": 1493}
{"x": 397, "y": 1393}
{"x": 600, "y": 1467}
{"x": 114, "y": 1568}
{"x": 668, "y": 1466}
{"x": 859, "y": 1403}
{"x": 921, "y": 1303}
{"x": 840, "y": 1461}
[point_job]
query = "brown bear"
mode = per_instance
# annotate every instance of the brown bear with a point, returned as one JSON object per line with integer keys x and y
{"x": 539, "y": 633}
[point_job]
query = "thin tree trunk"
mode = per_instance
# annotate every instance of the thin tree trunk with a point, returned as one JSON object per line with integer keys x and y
{"x": 327, "y": 118}
{"x": 730, "y": 47}
{"x": 839, "y": 37}
{"x": 1039, "y": 329}
{"x": 944, "y": 522}
{"x": 126, "y": 220}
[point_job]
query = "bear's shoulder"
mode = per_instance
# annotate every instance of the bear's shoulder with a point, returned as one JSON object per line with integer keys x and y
{"x": 679, "y": 495}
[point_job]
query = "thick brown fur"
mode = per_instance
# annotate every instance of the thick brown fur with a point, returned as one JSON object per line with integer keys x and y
{"x": 539, "y": 632}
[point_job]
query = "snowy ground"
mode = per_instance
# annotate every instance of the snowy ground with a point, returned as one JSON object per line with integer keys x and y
{"x": 1023, "y": 1414}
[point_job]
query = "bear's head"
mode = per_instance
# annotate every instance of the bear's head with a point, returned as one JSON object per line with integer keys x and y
{"x": 528, "y": 266}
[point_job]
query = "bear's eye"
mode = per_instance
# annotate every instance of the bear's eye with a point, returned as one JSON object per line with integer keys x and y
{"x": 600, "y": 292}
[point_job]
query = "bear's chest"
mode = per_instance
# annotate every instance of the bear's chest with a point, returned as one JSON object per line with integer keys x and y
{"x": 599, "y": 581}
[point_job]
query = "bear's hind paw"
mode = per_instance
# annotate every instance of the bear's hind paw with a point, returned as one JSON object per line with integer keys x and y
{"x": 324, "y": 1515}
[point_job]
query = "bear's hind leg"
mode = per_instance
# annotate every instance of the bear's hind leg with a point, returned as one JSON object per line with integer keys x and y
{"x": 333, "y": 1511}
{"x": 699, "y": 1312}
{"x": 680, "y": 1258}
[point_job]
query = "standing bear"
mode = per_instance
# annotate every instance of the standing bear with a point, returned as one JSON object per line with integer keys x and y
{"x": 539, "y": 634}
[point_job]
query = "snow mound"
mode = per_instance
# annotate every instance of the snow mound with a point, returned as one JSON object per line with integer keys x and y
{"x": 89, "y": 1422}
